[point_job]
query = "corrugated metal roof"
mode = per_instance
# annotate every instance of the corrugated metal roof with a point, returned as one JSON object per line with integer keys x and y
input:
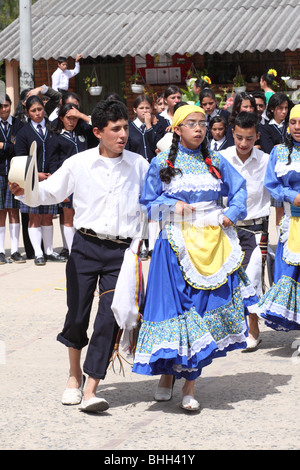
{"x": 130, "y": 27}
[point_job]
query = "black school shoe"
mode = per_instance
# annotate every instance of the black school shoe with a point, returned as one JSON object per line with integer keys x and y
{"x": 2, "y": 258}
{"x": 56, "y": 258}
{"x": 39, "y": 261}
{"x": 17, "y": 258}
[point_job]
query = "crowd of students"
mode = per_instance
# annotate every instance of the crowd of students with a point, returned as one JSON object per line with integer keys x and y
{"x": 221, "y": 169}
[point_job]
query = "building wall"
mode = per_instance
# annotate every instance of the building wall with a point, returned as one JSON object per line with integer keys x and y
{"x": 43, "y": 70}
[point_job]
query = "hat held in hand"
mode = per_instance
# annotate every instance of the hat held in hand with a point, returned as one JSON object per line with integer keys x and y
{"x": 23, "y": 171}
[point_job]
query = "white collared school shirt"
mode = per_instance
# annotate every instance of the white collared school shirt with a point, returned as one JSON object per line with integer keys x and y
{"x": 253, "y": 170}
{"x": 60, "y": 78}
{"x": 105, "y": 193}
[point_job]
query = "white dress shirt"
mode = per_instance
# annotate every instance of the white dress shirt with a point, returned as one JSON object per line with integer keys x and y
{"x": 218, "y": 142}
{"x": 253, "y": 170}
{"x": 105, "y": 191}
{"x": 36, "y": 124}
{"x": 60, "y": 78}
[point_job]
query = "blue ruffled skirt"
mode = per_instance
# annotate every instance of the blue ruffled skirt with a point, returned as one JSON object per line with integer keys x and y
{"x": 184, "y": 328}
{"x": 280, "y": 306}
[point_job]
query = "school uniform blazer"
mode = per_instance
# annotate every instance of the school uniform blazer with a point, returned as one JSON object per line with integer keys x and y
{"x": 271, "y": 135}
{"x": 224, "y": 113}
{"x": 26, "y": 135}
{"x": 61, "y": 147}
{"x": 85, "y": 129}
{"x": 142, "y": 143}
{"x": 8, "y": 150}
{"x": 161, "y": 126}
{"x": 224, "y": 145}
{"x": 53, "y": 103}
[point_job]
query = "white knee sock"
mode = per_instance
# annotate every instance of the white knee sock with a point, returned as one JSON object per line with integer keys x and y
{"x": 2, "y": 239}
{"x": 14, "y": 230}
{"x": 62, "y": 231}
{"x": 35, "y": 235}
{"x": 47, "y": 235}
{"x": 69, "y": 235}
{"x": 152, "y": 234}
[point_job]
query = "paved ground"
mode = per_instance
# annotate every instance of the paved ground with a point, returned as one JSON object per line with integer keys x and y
{"x": 249, "y": 401}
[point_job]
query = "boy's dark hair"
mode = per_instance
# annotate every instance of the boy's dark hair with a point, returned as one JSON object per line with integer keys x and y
{"x": 105, "y": 111}
{"x": 246, "y": 120}
{"x": 112, "y": 96}
{"x": 62, "y": 59}
{"x": 259, "y": 94}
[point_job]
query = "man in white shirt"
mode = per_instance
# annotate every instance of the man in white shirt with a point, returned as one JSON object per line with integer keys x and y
{"x": 251, "y": 163}
{"x": 62, "y": 75}
{"x": 106, "y": 183}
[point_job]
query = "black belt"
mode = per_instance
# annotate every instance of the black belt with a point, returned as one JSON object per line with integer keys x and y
{"x": 102, "y": 236}
{"x": 246, "y": 223}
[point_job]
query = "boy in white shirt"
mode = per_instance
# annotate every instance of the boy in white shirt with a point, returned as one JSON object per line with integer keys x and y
{"x": 106, "y": 183}
{"x": 62, "y": 75}
{"x": 251, "y": 163}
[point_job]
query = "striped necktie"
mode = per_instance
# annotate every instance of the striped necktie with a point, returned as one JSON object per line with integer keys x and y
{"x": 5, "y": 126}
{"x": 40, "y": 130}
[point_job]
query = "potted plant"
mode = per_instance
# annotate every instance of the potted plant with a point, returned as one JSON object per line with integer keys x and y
{"x": 136, "y": 83}
{"x": 239, "y": 83}
{"x": 92, "y": 84}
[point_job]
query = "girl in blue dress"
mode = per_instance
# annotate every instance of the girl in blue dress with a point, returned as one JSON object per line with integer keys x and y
{"x": 197, "y": 293}
{"x": 280, "y": 306}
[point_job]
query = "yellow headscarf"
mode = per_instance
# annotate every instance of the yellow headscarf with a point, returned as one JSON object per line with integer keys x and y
{"x": 295, "y": 112}
{"x": 182, "y": 112}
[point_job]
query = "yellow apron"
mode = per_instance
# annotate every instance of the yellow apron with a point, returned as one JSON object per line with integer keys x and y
{"x": 206, "y": 254}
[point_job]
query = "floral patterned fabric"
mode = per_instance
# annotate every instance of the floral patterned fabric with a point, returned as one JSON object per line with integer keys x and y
{"x": 185, "y": 324}
{"x": 280, "y": 306}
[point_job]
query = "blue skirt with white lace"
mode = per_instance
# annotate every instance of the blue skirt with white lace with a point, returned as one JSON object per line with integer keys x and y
{"x": 185, "y": 326}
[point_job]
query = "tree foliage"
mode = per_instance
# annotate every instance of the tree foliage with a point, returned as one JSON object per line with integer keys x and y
{"x": 9, "y": 11}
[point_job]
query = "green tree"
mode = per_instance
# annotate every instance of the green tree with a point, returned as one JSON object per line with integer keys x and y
{"x": 9, "y": 11}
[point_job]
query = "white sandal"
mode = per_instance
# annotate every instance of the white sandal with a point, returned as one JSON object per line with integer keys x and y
{"x": 73, "y": 396}
{"x": 164, "y": 393}
{"x": 189, "y": 403}
{"x": 94, "y": 405}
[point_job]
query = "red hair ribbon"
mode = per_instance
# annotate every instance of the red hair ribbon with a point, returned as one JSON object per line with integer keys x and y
{"x": 170, "y": 163}
{"x": 211, "y": 168}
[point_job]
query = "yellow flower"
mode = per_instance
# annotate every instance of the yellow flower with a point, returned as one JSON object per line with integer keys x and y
{"x": 206, "y": 79}
{"x": 272, "y": 72}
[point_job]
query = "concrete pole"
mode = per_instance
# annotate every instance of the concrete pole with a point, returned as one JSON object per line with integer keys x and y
{"x": 26, "y": 62}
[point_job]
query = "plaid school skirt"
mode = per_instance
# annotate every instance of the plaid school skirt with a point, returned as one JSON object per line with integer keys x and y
{"x": 67, "y": 205}
{"x": 52, "y": 209}
{"x": 7, "y": 199}
{"x": 275, "y": 203}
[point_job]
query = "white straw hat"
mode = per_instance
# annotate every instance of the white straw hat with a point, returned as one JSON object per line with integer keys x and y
{"x": 23, "y": 171}
{"x": 165, "y": 143}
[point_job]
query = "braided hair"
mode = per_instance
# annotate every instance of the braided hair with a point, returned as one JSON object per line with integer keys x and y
{"x": 169, "y": 172}
{"x": 166, "y": 174}
{"x": 288, "y": 142}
